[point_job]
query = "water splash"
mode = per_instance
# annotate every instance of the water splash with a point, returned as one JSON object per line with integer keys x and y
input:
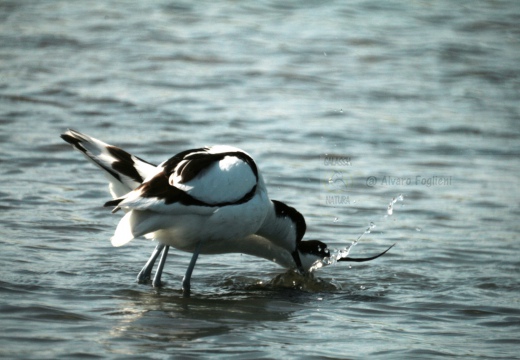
{"x": 337, "y": 254}
{"x": 368, "y": 230}
{"x": 390, "y": 209}
{"x": 304, "y": 282}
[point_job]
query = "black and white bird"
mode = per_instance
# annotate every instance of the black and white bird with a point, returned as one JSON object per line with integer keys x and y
{"x": 208, "y": 200}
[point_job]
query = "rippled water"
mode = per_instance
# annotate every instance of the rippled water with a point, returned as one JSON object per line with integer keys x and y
{"x": 344, "y": 105}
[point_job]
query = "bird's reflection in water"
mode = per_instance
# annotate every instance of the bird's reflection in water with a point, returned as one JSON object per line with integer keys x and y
{"x": 165, "y": 315}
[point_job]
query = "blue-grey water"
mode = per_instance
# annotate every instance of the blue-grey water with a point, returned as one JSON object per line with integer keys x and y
{"x": 345, "y": 105}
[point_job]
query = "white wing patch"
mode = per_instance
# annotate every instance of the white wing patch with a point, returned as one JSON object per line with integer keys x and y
{"x": 224, "y": 181}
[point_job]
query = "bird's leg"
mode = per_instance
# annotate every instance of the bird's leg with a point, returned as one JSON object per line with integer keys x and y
{"x": 186, "y": 281}
{"x": 296, "y": 257}
{"x": 157, "y": 278}
{"x": 145, "y": 273}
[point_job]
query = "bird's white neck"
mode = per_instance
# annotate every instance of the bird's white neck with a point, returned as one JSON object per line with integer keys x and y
{"x": 284, "y": 226}
{"x": 259, "y": 246}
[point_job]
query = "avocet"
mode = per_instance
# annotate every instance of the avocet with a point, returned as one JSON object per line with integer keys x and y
{"x": 208, "y": 200}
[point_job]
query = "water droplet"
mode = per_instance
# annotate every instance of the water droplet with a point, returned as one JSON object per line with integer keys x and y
{"x": 418, "y": 229}
{"x": 336, "y": 219}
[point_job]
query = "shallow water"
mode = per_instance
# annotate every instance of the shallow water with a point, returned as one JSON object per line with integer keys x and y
{"x": 345, "y": 106}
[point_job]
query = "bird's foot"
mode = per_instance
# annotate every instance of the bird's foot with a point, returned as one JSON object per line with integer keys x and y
{"x": 157, "y": 283}
{"x": 143, "y": 277}
{"x": 186, "y": 287}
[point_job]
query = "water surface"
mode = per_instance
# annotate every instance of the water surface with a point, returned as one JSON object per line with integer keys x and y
{"x": 343, "y": 105}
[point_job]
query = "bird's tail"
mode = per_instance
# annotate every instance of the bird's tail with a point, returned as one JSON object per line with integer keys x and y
{"x": 124, "y": 171}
